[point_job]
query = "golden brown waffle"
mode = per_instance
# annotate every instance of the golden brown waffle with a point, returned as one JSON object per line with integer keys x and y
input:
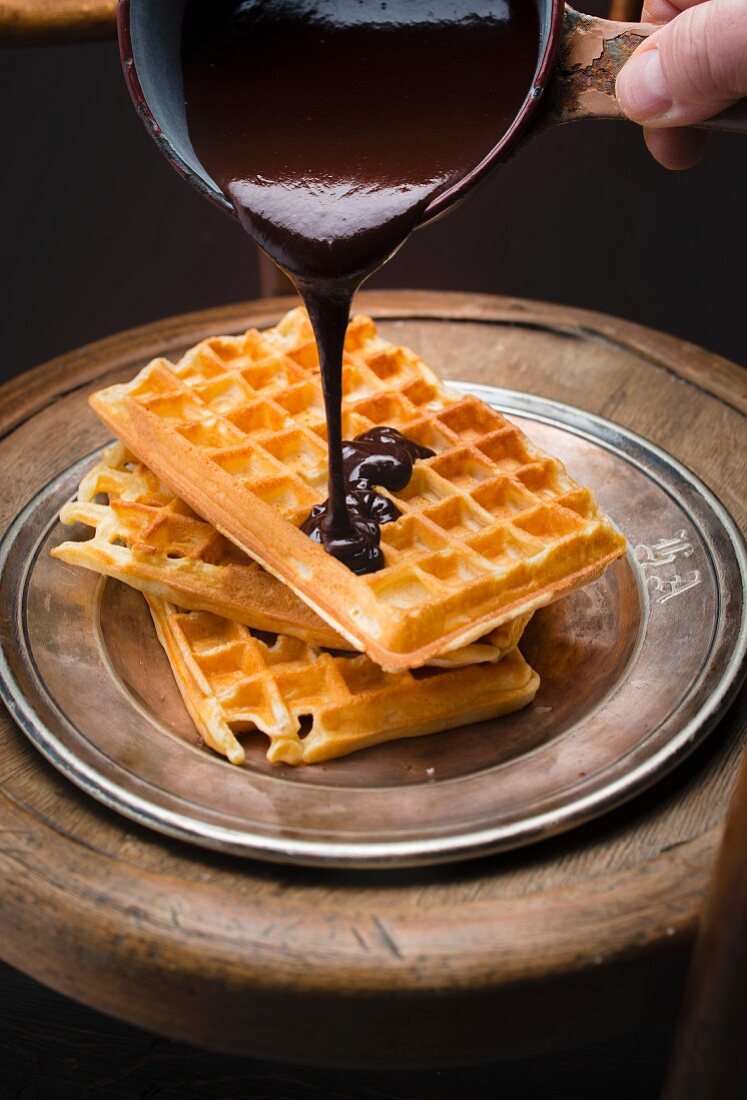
{"x": 491, "y": 647}
{"x": 151, "y": 540}
{"x": 314, "y": 705}
{"x": 492, "y": 528}
{"x": 148, "y": 538}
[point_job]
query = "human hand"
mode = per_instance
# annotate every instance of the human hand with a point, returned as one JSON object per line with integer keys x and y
{"x": 691, "y": 69}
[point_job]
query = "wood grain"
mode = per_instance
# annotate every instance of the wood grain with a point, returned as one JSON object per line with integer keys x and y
{"x": 40, "y": 22}
{"x": 573, "y": 940}
{"x": 626, "y": 11}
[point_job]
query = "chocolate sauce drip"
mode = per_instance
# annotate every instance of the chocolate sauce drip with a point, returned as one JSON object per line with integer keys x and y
{"x": 331, "y": 125}
{"x": 383, "y": 457}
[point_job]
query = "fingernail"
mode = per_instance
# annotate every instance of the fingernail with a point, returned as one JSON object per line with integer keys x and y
{"x": 642, "y": 87}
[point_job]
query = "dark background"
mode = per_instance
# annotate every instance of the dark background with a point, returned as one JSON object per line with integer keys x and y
{"x": 100, "y": 234}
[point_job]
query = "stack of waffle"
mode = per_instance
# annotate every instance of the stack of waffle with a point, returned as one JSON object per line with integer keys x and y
{"x": 222, "y": 457}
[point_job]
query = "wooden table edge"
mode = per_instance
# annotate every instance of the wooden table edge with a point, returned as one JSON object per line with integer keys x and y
{"x": 413, "y": 966}
{"x": 493, "y": 954}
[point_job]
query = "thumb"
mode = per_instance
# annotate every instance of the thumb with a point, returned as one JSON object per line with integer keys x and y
{"x": 689, "y": 70}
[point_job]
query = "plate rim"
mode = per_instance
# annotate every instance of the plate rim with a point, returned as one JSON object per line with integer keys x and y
{"x": 384, "y": 855}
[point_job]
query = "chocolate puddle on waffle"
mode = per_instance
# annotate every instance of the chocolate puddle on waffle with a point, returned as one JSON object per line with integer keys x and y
{"x": 381, "y": 456}
{"x": 330, "y": 158}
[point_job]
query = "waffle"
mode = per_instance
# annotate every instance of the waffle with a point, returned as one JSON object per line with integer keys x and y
{"x": 314, "y": 705}
{"x": 491, "y": 527}
{"x": 151, "y": 540}
{"x": 148, "y": 538}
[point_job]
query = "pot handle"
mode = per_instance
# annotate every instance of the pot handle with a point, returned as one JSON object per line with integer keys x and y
{"x": 592, "y": 52}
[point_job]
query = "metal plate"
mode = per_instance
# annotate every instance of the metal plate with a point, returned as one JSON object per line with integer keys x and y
{"x": 636, "y": 669}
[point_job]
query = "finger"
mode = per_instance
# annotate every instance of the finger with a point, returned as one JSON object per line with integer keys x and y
{"x": 663, "y": 11}
{"x": 676, "y": 149}
{"x": 689, "y": 70}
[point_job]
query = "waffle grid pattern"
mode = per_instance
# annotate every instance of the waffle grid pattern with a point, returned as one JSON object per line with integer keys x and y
{"x": 254, "y": 404}
{"x": 491, "y": 527}
{"x": 314, "y": 705}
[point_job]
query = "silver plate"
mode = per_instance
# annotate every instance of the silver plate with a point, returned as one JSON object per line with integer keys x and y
{"x": 636, "y": 669}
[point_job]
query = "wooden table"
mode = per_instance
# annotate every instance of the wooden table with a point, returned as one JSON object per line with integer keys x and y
{"x": 568, "y": 942}
{"x": 41, "y": 22}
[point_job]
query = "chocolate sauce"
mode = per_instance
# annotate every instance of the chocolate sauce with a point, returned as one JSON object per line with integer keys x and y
{"x": 331, "y": 125}
{"x": 383, "y": 457}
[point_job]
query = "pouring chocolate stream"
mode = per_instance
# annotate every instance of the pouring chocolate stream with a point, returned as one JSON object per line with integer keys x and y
{"x": 330, "y": 126}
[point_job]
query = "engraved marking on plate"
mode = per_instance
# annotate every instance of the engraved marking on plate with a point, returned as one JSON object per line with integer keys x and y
{"x": 665, "y": 552}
